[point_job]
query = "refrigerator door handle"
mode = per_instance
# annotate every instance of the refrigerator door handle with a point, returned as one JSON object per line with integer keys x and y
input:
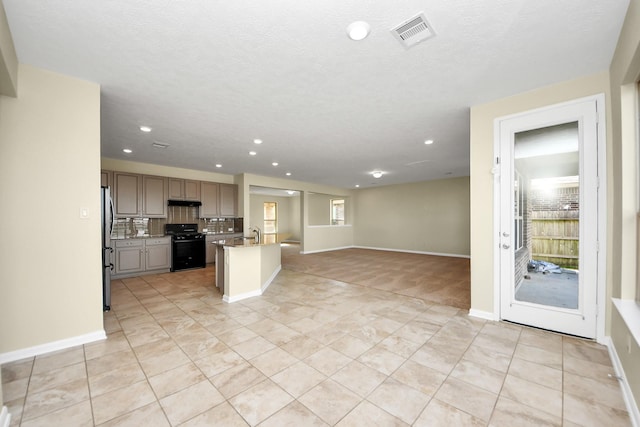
{"x": 112, "y": 215}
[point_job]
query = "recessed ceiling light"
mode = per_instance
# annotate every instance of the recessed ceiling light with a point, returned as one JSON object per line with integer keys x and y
{"x": 127, "y": 150}
{"x": 145, "y": 128}
{"x": 357, "y": 185}
{"x": 377, "y": 174}
{"x": 257, "y": 141}
{"x": 218, "y": 165}
{"x": 290, "y": 192}
{"x": 288, "y": 174}
{"x": 252, "y": 153}
{"x": 275, "y": 163}
{"x": 358, "y": 30}
{"x": 428, "y": 142}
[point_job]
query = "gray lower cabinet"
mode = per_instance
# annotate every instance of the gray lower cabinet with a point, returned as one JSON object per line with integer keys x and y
{"x": 158, "y": 253}
{"x": 211, "y": 249}
{"x": 135, "y": 256}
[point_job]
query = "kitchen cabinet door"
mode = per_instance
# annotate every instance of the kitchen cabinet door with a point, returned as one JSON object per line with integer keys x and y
{"x": 209, "y": 198}
{"x": 184, "y": 189}
{"x": 158, "y": 254}
{"x": 127, "y": 198}
{"x": 228, "y": 205}
{"x": 154, "y": 193}
{"x": 129, "y": 256}
{"x": 210, "y": 250}
{"x": 191, "y": 190}
{"x": 176, "y": 189}
{"x": 106, "y": 178}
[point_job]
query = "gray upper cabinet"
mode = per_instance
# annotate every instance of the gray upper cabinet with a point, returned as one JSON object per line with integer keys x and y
{"x": 106, "y": 178}
{"x": 176, "y": 189}
{"x": 139, "y": 195}
{"x": 228, "y": 204}
{"x": 209, "y": 198}
{"x": 184, "y": 189}
{"x": 136, "y": 195}
{"x": 154, "y": 193}
{"x": 191, "y": 190}
{"x": 127, "y": 195}
{"x": 218, "y": 200}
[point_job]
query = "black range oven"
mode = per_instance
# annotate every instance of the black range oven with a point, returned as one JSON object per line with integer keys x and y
{"x": 188, "y": 247}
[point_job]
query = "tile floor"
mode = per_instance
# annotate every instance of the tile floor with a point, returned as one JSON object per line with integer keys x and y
{"x": 310, "y": 352}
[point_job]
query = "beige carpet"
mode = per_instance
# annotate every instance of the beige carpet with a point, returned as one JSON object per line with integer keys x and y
{"x": 443, "y": 280}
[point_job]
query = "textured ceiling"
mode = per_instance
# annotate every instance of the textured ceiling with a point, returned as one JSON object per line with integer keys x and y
{"x": 210, "y": 76}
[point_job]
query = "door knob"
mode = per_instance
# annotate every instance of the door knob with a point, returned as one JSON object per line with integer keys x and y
{"x": 505, "y": 246}
{"x": 505, "y": 234}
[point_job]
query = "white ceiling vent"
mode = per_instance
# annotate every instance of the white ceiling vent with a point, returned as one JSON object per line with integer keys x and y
{"x": 413, "y": 31}
{"x": 157, "y": 144}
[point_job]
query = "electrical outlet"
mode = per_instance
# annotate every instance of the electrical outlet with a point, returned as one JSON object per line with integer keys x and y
{"x": 84, "y": 213}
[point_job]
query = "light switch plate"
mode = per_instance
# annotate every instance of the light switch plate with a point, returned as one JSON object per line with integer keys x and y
{"x": 84, "y": 213}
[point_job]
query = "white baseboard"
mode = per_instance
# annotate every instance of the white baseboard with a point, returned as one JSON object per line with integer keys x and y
{"x": 240, "y": 297}
{"x": 12, "y": 356}
{"x": 414, "y": 252}
{"x": 5, "y": 417}
{"x": 486, "y": 315}
{"x": 627, "y": 394}
{"x": 326, "y": 250}
{"x": 266, "y": 284}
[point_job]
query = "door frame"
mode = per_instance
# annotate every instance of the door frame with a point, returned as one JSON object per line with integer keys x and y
{"x": 601, "y": 255}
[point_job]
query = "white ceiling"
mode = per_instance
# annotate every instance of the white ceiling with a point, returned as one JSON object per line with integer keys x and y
{"x": 210, "y": 76}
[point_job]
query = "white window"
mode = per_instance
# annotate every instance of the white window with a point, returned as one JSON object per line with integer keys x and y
{"x": 270, "y": 217}
{"x": 337, "y": 211}
{"x": 518, "y": 230}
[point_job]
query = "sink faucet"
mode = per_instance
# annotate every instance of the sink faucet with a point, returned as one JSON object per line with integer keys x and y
{"x": 258, "y": 232}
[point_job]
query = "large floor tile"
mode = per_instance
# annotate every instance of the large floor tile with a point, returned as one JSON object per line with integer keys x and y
{"x": 400, "y": 400}
{"x": 330, "y": 401}
{"x": 190, "y": 402}
{"x": 468, "y": 398}
{"x": 260, "y": 401}
{"x": 366, "y": 414}
{"x": 121, "y": 401}
{"x": 316, "y": 351}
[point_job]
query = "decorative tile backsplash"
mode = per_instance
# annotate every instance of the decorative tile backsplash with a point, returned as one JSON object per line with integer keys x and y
{"x": 138, "y": 227}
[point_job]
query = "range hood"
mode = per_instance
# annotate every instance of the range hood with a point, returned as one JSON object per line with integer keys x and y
{"x": 183, "y": 203}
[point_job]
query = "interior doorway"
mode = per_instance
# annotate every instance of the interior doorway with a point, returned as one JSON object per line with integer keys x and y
{"x": 548, "y": 217}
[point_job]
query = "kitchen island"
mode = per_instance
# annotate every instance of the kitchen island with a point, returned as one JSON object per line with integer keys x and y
{"x": 245, "y": 267}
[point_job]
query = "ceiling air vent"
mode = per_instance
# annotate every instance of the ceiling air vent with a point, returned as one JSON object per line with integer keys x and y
{"x": 157, "y": 144}
{"x": 413, "y": 31}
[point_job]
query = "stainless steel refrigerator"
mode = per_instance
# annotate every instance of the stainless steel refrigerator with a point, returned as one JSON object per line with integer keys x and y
{"x": 107, "y": 250}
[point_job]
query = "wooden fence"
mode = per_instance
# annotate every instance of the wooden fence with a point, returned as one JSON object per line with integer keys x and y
{"x": 555, "y": 237}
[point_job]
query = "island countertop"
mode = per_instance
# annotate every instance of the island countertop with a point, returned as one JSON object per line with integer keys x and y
{"x": 235, "y": 242}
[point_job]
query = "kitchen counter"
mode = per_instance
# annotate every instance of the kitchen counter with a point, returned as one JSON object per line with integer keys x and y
{"x": 244, "y": 267}
{"x": 144, "y": 236}
{"x": 269, "y": 239}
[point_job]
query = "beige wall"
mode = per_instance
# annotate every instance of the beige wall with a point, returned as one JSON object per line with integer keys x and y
{"x": 295, "y": 215}
{"x": 159, "y": 170}
{"x": 320, "y": 209}
{"x": 623, "y": 172}
{"x": 482, "y": 180}
{"x": 311, "y": 238}
{"x": 49, "y": 169}
{"x": 285, "y": 220}
{"x": 431, "y": 216}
